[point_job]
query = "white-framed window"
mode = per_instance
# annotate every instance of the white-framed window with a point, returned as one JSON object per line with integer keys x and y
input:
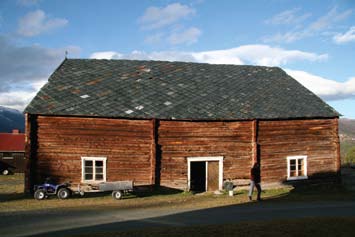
{"x": 7, "y": 156}
{"x": 296, "y": 167}
{"x": 93, "y": 169}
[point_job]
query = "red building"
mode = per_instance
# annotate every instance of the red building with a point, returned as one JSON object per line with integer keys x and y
{"x": 12, "y": 152}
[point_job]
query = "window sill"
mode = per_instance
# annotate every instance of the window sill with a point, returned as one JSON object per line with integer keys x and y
{"x": 297, "y": 178}
{"x": 92, "y": 182}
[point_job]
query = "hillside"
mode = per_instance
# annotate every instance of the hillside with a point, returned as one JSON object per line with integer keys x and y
{"x": 11, "y": 119}
{"x": 347, "y": 136}
{"x": 347, "y": 127}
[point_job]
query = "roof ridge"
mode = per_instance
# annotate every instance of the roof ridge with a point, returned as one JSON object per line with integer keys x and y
{"x": 165, "y": 61}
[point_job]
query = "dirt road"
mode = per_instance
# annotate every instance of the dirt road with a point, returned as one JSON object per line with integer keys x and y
{"x": 62, "y": 223}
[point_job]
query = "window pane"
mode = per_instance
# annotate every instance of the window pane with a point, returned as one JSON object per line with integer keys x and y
{"x": 88, "y": 163}
{"x": 99, "y": 163}
{"x": 292, "y": 162}
{"x": 99, "y": 170}
{"x": 293, "y": 168}
{"x": 300, "y": 167}
{"x": 88, "y": 170}
{"x": 293, "y": 165}
{"x": 7, "y": 154}
{"x": 88, "y": 176}
{"x": 99, "y": 176}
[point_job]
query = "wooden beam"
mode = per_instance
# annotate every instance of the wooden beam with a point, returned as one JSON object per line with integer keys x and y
{"x": 153, "y": 151}
{"x": 254, "y": 141}
{"x": 27, "y": 153}
{"x": 337, "y": 151}
{"x": 30, "y": 151}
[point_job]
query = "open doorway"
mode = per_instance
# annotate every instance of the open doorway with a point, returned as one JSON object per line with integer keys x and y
{"x": 198, "y": 176}
{"x": 205, "y": 173}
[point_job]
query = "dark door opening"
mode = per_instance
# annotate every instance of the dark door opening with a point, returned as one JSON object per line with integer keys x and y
{"x": 198, "y": 176}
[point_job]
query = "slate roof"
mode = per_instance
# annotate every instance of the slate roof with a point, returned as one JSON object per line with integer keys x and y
{"x": 175, "y": 90}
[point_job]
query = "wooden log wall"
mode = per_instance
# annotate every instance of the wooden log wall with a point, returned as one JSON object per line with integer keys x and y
{"x": 179, "y": 140}
{"x": 317, "y": 139}
{"x": 126, "y": 144}
{"x": 151, "y": 151}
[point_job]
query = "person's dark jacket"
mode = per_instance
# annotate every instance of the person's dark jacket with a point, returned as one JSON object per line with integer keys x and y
{"x": 255, "y": 174}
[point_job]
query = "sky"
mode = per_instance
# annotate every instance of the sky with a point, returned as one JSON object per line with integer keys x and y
{"x": 313, "y": 41}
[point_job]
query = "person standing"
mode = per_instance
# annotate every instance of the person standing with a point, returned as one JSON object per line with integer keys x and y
{"x": 255, "y": 181}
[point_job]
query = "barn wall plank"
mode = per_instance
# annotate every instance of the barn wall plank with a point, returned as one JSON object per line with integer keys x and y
{"x": 62, "y": 141}
{"x": 179, "y": 140}
{"x": 315, "y": 138}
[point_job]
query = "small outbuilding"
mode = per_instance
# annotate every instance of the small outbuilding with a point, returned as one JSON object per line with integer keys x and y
{"x": 177, "y": 124}
{"x": 12, "y": 152}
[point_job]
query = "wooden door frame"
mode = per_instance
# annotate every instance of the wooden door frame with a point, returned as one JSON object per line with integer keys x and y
{"x": 206, "y": 159}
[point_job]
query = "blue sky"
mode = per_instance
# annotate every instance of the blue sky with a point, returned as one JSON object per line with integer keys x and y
{"x": 313, "y": 41}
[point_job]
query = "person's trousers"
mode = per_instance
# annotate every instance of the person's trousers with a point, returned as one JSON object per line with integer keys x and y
{"x": 251, "y": 189}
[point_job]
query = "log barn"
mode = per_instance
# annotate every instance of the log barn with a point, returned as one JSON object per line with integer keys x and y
{"x": 181, "y": 125}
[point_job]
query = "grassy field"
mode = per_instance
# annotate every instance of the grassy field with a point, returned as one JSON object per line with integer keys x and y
{"x": 345, "y": 147}
{"x": 12, "y": 198}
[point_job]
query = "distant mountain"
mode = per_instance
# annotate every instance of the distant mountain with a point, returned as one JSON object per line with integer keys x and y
{"x": 11, "y": 119}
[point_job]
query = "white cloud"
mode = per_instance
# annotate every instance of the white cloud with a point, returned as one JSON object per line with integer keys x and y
{"x": 258, "y": 55}
{"x": 165, "y": 22}
{"x": 106, "y": 55}
{"x": 187, "y": 36}
{"x": 37, "y": 22}
{"x": 19, "y": 99}
{"x": 329, "y": 19}
{"x": 251, "y": 54}
{"x": 346, "y": 37}
{"x": 288, "y": 17}
{"x": 323, "y": 87}
{"x": 287, "y": 37}
{"x": 25, "y": 69}
{"x": 155, "y": 17}
{"x": 316, "y": 27}
{"x": 141, "y": 55}
{"x": 16, "y": 99}
{"x": 155, "y": 38}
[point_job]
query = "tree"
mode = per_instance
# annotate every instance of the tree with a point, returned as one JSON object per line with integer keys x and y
{"x": 350, "y": 156}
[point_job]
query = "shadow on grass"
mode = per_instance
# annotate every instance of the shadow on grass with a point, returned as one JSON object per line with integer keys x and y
{"x": 279, "y": 208}
{"x": 304, "y": 200}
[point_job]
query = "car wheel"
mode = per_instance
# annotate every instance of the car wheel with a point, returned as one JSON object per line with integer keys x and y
{"x": 117, "y": 195}
{"x": 63, "y": 193}
{"x": 5, "y": 172}
{"x": 40, "y": 194}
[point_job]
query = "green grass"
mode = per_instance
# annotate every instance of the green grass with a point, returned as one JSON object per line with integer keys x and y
{"x": 295, "y": 227}
{"x": 12, "y": 198}
{"x": 345, "y": 147}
